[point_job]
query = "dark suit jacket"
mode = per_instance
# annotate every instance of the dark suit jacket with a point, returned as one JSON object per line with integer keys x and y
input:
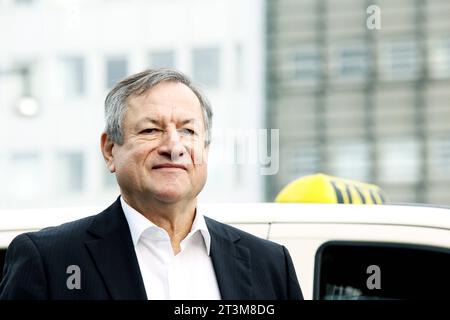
{"x": 36, "y": 264}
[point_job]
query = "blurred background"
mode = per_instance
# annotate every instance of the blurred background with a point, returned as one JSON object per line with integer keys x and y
{"x": 348, "y": 100}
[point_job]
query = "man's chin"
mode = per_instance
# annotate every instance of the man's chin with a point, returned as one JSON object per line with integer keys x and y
{"x": 169, "y": 197}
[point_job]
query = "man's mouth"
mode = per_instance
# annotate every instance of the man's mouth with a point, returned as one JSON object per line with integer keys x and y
{"x": 169, "y": 166}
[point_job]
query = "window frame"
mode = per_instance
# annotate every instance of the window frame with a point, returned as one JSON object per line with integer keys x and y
{"x": 323, "y": 246}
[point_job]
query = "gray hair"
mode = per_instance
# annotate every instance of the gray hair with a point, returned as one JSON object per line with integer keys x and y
{"x": 137, "y": 84}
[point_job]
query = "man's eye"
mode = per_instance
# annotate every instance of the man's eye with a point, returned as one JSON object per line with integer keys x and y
{"x": 150, "y": 131}
{"x": 187, "y": 131}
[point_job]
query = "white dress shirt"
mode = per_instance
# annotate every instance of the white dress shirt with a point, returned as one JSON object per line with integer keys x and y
{"x": 189, "y": 275}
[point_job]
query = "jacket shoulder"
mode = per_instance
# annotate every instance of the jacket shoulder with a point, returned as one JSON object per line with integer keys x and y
{"x": 244, "y": 237}
{"x": 71, "y": 229}
{"x": 60, "y": 237}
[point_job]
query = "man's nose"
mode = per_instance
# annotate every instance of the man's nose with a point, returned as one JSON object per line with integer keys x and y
{"x": 171, "y": 146}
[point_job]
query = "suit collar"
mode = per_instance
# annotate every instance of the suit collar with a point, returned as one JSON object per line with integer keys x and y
{"x": 231, "y": 262}
{"x": 114, "y": 255}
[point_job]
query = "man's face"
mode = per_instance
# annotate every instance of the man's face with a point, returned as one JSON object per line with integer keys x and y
{"x": 163, "y": 156}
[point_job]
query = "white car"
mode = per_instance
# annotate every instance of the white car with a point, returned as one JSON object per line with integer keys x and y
{"x": 340, "y": 251}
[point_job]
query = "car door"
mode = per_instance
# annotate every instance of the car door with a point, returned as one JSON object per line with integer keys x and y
{"x": 332, "y": 259}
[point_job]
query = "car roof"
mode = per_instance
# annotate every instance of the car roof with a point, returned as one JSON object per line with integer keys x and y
{"x": 426, "y": 216}
{"x": 253, "y": 213}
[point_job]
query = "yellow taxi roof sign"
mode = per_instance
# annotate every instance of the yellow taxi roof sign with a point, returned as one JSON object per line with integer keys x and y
{"x": 322, "y": 188}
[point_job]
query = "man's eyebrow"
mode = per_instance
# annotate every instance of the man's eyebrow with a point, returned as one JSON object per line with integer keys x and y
{"x": 148, "y": 119}
{"x": 188, "y": 121}
{"x": 157, "y": 122}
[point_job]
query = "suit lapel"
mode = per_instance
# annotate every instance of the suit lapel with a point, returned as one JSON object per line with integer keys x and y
{"x": 113, "y": 254}
{"x": 231, "y": 262}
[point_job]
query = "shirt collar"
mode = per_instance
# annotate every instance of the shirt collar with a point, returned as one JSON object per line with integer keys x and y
{"x": 137, "y": 224}
{"x": 199, "y": 224}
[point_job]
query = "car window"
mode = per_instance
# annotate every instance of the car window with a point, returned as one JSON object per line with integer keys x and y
{"x": 2, "y": 261}
{"x": 363, "y": 271}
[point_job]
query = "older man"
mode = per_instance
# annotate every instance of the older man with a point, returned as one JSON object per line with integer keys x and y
{"x": 151, "y": 243}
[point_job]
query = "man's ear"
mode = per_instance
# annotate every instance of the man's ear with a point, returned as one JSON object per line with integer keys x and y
{"x": 106, "y": 146}
{"x": 207, "y": 152}
{"x": 205, "y": 155}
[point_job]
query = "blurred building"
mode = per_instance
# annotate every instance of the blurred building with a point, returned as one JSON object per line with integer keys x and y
{"x": 64, "y": 56}
{"x": 367, "y": 104}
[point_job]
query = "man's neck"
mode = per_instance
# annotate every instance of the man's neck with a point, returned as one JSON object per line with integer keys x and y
{"x": 175, "y": 218}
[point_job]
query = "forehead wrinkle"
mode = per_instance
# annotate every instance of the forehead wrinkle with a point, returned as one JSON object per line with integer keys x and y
{"x": 162, "y": 122}
{"x": 162, "y": 112}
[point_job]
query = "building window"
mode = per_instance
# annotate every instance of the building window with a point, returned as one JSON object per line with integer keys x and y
{"x": 439, "y": 158}
{"x": 162, "y": 59}
{"x": 399, "y": 161}
{"x": 302, "y": 161}
{"x": 26, "y": 179}
{"x": 116, "y": 70}
{"x": 400, "y": 60}
{"x": 350, "y": 62}
{"x": 306, "y": 66}
{"x": 74, "y": 76}
{"x": 350, "y": 160}
{"x": 24, "y": 2}
{"x": 206, "y": 67}
{"x": 240, "y": 75}
{"x": 440, "y": 59}
{"x": 70, "y": 172}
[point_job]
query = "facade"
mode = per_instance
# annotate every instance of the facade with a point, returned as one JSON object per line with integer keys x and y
{"x": 66, "y": 55}
{"x": 359, "y": 102}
